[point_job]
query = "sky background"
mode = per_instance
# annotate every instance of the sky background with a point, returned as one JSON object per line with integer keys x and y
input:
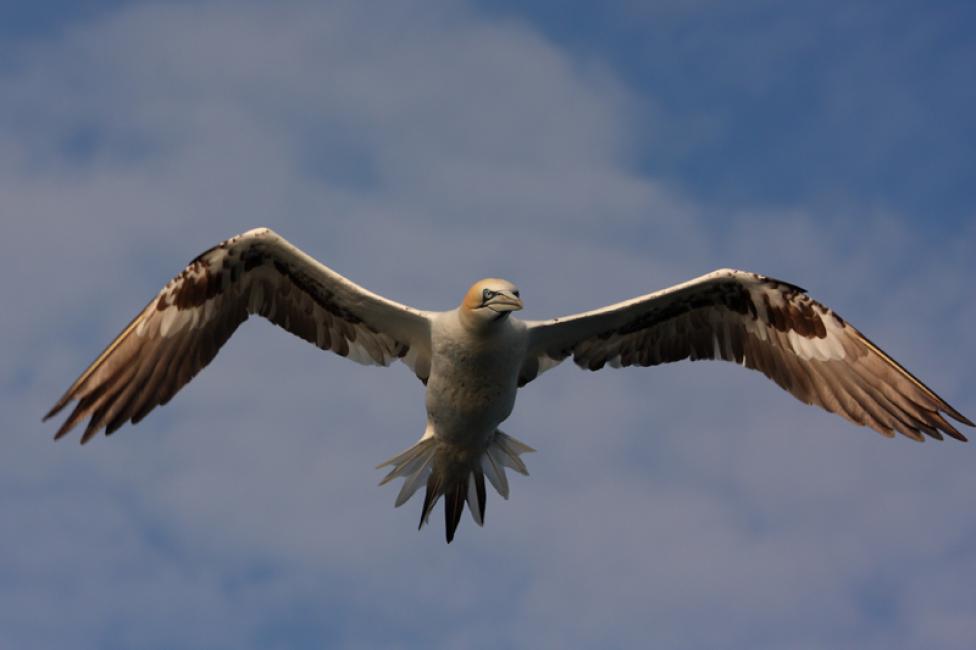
{"x": 589, "y": 152}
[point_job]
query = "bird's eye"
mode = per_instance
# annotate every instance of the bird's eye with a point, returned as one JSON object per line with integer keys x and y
{"x": 516, "y": 293}
{"x": 487, "y": 294}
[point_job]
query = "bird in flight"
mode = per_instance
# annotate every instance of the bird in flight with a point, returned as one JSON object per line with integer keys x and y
{"x": 474, "y": 358}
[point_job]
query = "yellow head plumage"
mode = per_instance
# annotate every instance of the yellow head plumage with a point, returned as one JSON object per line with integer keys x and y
{"x": 490, "y": 299}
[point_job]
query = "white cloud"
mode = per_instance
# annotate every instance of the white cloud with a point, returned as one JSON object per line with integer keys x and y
{"x": 481, "y": 148}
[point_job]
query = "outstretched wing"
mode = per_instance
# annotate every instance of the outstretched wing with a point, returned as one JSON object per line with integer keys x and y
{"x": 764, "y": 324}
{"x": 181, "y": 329}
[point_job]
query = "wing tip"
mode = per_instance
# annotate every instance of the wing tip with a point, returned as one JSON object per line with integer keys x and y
{"x": 958, "y": 436}
{"x": 934, "y": 429}
{"x": 68, "y": 424}
{"x": 959, "y": 417}
{"x": 946, "y": 427}
{"x": 951, "y": 431}
{"x": 58, "y": 407}
{"x": 90, "y": 432}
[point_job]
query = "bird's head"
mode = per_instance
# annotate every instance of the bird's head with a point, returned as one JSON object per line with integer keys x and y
{"x": 490, "y": 300}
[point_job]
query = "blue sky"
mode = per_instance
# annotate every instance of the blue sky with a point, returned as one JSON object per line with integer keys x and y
{"x": 590, "y": 152}
{"x": 801, "y": 101}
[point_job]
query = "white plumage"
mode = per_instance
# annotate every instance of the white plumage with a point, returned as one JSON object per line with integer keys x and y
{"x": 474, "y": 358}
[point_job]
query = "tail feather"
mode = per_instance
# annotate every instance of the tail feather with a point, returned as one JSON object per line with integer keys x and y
{"x": 458, "y": 477}
{"x": 454, "y": 507}
{"x": 434, "y": 491}
{"x": 509, "y": 449}
{"x": 495, "y": 472}
{"x": 404, "y": 462}
{"x": 476, "y": 496}
{"x": 416, "y": 464}
{"x": 411, "y": 485}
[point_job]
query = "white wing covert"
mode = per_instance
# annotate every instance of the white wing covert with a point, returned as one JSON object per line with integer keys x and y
{"x": 182, "y": 328}
{"x": 763, "y": 324}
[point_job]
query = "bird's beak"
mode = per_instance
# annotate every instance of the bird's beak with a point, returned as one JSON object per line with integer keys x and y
{"x": 505, "y": 301}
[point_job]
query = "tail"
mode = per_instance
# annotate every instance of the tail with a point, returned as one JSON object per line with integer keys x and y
{"x": 457, "y": 475}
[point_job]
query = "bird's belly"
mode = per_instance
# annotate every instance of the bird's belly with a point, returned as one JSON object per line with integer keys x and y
{"x": 467, "y": 401}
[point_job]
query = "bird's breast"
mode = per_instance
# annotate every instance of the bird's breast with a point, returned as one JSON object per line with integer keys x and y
{"x": 472, "y": 385}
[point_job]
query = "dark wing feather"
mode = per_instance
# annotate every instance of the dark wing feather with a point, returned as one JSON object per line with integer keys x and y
{"x": 181, "y": 330}
{"x": 764, "y": 324}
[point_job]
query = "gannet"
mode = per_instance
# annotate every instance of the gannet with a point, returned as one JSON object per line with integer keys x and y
{"x": 474, "y": 358}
